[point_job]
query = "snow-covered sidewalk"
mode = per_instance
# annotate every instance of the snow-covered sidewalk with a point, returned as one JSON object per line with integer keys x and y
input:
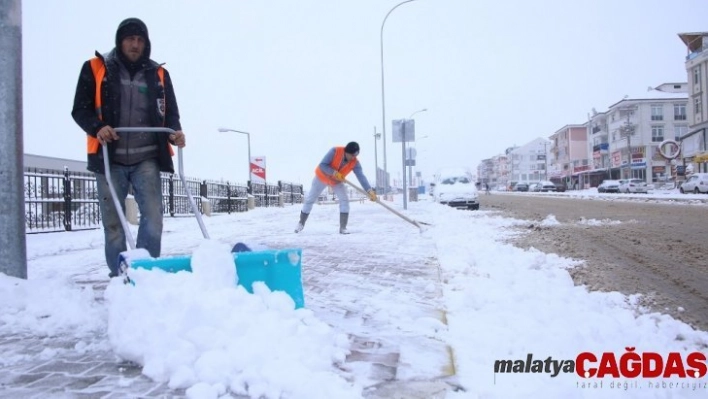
{"x": 388, "y": 311}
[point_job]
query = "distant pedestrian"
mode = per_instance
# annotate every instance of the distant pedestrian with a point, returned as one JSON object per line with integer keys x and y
{"x": 332, "y": 171}
{"x": 486, "y": 188}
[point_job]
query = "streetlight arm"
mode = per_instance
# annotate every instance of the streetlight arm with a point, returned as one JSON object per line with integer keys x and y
{"x": 418, "y": 111}
{"x": 389, "y": 13}
{"x": 248, "y": 138}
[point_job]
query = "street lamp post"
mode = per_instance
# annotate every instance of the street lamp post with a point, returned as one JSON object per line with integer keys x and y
{"x": 383, "y": 97}
{"x": 377, "y": 136}
{"x": 248, "y": 136}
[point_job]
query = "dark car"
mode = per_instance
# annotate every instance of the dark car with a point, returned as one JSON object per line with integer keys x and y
{"x": 521, "y": 187}
{"x": 560, "y": 186}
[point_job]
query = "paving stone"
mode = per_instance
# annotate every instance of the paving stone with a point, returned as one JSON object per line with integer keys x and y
{"x": 62, "y": 366}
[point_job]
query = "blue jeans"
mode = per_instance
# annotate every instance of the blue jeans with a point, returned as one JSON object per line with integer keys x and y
{"x": 147, "y": 189}
{"x": 316, "y": 189}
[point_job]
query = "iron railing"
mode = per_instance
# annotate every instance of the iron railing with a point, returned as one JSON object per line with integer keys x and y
{"x": 64, "y": 201}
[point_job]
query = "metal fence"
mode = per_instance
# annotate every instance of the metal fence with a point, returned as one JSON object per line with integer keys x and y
{"x": 58, "y": 201}
{"x": 65, "y": 201}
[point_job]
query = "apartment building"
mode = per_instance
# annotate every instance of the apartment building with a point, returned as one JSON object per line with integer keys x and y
{"x": 598, "y": 141}
{"x": 529, "y": 162}
{"x": 622, "y": 142}
{"x": 569, "y": 154}
{"x": 494, "y": 171}
{"x": 638, "y": 125}
{"x": 694, "y": 144}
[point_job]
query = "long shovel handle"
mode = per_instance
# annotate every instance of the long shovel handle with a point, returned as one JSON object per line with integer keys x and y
{"x": 378, "y": 201}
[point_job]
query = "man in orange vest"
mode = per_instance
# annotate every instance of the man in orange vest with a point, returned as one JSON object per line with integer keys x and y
{"x": 125, "y": 88}
{"x": 332, "y": 170}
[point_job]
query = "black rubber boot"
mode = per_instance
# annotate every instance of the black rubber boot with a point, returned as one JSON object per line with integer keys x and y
{"x": 343, "y": 219}
{"x": 301, "y": 223}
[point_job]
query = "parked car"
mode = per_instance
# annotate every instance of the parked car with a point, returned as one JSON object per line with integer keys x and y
{"x": 535, "y": 186}
{"x": 546, "y": 186}
{"x": 696, "y": 183}
{"x": 633, "y": 186}
{"x": 521, "y": 187}
{"x": 561, "y": 185}
{"x": 454, "y": 187}
{"x": 609, "y": 186}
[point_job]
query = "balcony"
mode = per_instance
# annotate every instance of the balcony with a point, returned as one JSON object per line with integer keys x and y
{"x": 697, "y": 54}
{"x": 601, "y": 147}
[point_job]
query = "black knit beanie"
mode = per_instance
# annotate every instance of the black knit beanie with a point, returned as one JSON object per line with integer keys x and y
{"x": 352, "y": 148}
{"x": 133, "y": 27}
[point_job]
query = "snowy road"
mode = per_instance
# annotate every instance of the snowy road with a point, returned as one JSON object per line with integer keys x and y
{"x": 655, "y": 247}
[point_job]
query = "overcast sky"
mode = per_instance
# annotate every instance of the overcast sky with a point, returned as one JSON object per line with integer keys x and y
{"x": 302, "y": 76}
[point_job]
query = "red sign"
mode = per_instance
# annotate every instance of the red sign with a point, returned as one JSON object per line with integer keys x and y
{"x": 258, "y": 170}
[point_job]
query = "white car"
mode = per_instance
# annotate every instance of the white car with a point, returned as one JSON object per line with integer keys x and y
{"x": 609, "y": 186}
{"x": 696, "y": 183}
{"x": 454, "y": 187}
{"x": 545, "y": 186}
{"x": 633, "y": 186}
{"x": 535, "y": 186}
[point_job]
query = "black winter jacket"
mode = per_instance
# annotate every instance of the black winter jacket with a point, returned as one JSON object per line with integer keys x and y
{"x": 84, "y": 111}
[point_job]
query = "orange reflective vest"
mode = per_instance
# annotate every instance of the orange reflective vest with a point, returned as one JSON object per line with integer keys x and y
{"x": 98, "y": 67}
{"x": 336, "y": 164}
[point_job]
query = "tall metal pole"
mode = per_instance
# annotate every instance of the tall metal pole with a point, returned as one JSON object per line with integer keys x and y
{"x": 410, "y": 160}
{"x": 410, "y": 166}
{"x": 376, "y": 156}
{"x": 248, "y": 140}
{"x": 383, "y": 97}
{"x": 628, "y": 130}
{"x": 545, "y": 155}
{"x": 403, "y": 167}
{"x": 13, "y": 249}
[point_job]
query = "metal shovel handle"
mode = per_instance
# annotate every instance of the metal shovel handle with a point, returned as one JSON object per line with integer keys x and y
{"x": 116, "y": 202}
{"x": 402, "y": 216}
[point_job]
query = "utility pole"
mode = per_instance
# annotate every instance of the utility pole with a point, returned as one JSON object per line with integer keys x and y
{"x": 13, "y": 252}
{"x": 627, "y": 130}
{"x": 511, "y": 178}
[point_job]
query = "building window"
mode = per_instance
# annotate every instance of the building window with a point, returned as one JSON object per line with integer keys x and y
{"x": 680, "y": 131}
{"x": 657, "y": 133}
{"x": 679, "y": 112}
{"x": 697, "y": 76}
{"x": 657, "y": 112}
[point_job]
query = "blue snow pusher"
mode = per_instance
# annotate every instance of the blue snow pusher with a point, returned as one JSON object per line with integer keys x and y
{"x": 280, "y": 270}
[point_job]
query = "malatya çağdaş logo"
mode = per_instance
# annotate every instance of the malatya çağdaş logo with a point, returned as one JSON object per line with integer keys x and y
{"x": 630, "y": 364}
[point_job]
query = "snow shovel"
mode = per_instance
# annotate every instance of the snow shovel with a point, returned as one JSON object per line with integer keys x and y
{"x": 279, "y": 270}
{"x": 404, "y": 217}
